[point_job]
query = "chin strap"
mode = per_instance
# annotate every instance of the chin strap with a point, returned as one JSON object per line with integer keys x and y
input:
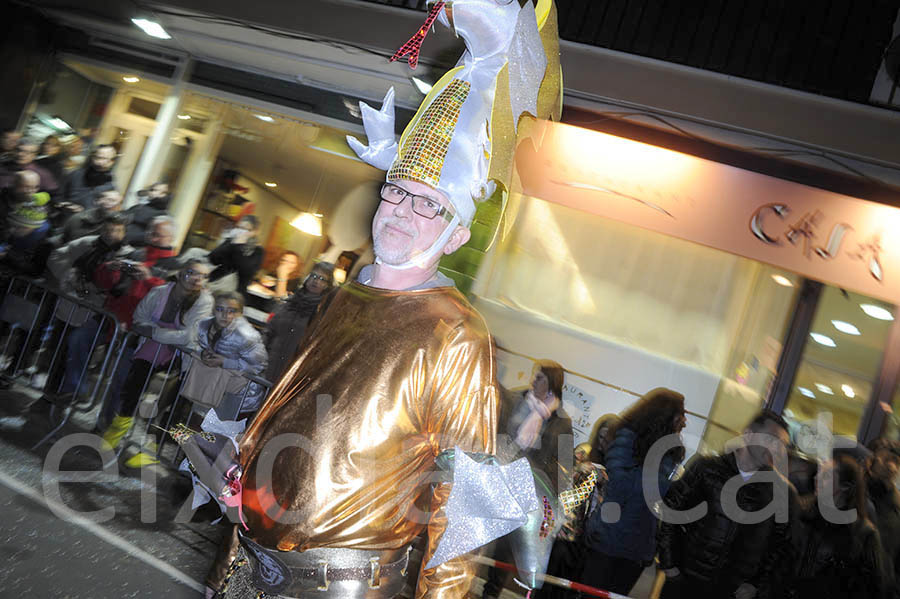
{"x": 421, "y": 260}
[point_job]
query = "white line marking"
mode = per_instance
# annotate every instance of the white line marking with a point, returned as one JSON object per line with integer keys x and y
{"x": 98, "y": 531}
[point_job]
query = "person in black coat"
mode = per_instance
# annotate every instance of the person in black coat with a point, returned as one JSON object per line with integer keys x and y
{"x": 837, "y": 559}
{"x": 152, "y": 204}
{"x": 882, "y": 470}
{"x": 716, "y": 555}
{"x": 240, "y": 254}
{"x": 288, "y": 325}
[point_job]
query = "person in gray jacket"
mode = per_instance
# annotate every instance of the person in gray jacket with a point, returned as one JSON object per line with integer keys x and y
{"x": 228, "y": 341}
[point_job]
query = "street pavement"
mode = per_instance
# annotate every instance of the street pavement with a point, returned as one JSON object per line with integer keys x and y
{"x": 86, "y": 531}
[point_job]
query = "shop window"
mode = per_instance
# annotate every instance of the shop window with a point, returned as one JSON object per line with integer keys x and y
{"x": 710, "y": 323}
{"x": 145, "y": 108}
{"x": 841, "y": 360}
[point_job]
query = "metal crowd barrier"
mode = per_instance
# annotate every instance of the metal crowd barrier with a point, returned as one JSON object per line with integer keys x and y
{"x": 173, "y": 372}
{"x": 40, "y": 311}
{"x": 46, "y": 318}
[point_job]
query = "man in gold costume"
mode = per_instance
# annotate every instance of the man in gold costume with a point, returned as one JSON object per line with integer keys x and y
{"x": 338, "y": 466}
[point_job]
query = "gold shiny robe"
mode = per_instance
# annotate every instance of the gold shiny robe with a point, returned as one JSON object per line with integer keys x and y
{"x": 385, "y": 382}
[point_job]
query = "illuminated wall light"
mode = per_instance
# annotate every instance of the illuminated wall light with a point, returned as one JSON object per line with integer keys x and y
{"x": 271, "y": 184}
{"x": 782, "y": 280}
{"x": 265, "y": 118}
{"x": 184, "y": 117}
{"x": 823, "y": 340}
{"x": 130, "y": 79}
{"x": 806, "y": 392}
{"x": 848, "y": 391}
{"x": 824, "y": 389}
{"x": 152, "y": 28}
{"x": 308, "y": 223}
{"x": 845, "y": 327}
{"x": 60, "y": 124}
{"x": 877, "y": 312}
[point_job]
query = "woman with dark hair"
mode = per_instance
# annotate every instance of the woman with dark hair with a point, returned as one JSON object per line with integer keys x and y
{"x": 600, "y": 437}
{"x": 620, "y": 549}
{"x": 240, "y": 254}
{"x": 534, "y": 425}
{"x": 837, "y": 559}
{"x": 167, "y": 320}
{"x": 290, "y": 319}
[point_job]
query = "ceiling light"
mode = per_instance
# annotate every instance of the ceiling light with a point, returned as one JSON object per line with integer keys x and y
{"x": 824, "y": 389}
{"x": 271, "y": 184}
{"x": 823, "y": 339}
{"x": 308, "y": 223}
{"x": 845, "y": 327}
{"x": 60, "y": 124}
{"x": 806, "y": 392}
{"x": 184, "y": 117}
{"x": 130, "y": 79}
{"x": 265, "y": 118}
{"x": 877, "y": 312}
{"x": 422, "y": 86}
{"x": 152, "y": 28}
{"x": 782, "y": 280}
{"x": 848, "y": 391}
{"x": 318, "y": 215}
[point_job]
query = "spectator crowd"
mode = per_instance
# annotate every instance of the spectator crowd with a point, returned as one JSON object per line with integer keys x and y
{"x": 62, "y": 222}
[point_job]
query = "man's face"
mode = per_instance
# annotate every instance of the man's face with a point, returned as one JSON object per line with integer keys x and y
{"x": 9, "y": 141}
{"x": 194, "y": 277}
{"x": 113, "y": 234}
{"x": 399, "y": 233}
{"x": 26, "y": 153}
{"x": 885, "y": 466}
{"x": 159, "y": 190}
{"x": 108, "y": 201}
{"x": 51, "y": 147}
{"x": 316, "y": 283}
{"x": 768, "y": 445}
{"x": 226, "y": 311}
{"x": 160, "y": 235}
{"x": 102, "y": 159}
{"x": 27, "y": 183}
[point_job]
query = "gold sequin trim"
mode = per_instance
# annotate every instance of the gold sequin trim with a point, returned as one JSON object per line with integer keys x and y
{"x": 425, "y": 148}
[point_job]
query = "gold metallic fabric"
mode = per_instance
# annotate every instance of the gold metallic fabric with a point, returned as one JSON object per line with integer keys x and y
{"x": 386, "y": 381}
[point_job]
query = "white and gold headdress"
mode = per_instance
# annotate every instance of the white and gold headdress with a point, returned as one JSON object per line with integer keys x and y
{"x": 462, "y": 138}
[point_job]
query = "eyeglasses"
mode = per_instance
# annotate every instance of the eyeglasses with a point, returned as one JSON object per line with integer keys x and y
{"x": 226, "y": 310}
{"x": 318, "y": 277}
{"x": 193, "y": 273}
{"x": 422, "y": 205}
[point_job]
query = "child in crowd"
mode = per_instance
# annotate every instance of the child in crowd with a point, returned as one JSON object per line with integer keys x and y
{"x": 228, "y": 341}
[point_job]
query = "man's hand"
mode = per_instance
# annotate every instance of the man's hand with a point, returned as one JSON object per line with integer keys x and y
{"x": 672, "y": 572}
{"x": 70, "y": 207}
{"x": 211, "y": 359}
{"x": 745, "y": 591}
{"x": 283, "y": 271}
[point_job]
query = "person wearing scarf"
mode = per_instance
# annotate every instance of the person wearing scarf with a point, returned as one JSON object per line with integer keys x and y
{"x": 535, "y": 426}
{"x": 289, "y": 321}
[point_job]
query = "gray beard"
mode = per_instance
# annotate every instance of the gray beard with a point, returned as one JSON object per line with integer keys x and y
{"x": 389, "y": 256}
